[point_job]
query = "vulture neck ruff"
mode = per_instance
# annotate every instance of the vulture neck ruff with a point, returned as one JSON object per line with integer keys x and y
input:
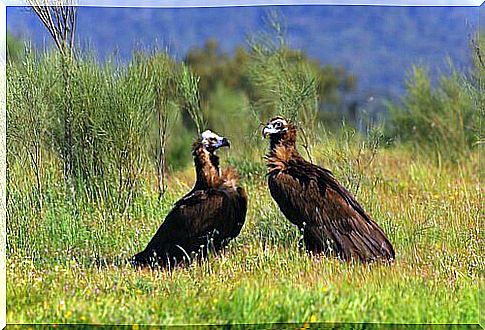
{"x": 282, "y": 149}
{"x": 206, "y": 167}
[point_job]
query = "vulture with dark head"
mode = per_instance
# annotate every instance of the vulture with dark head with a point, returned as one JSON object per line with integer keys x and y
{"x": 332, "y": 221}
{"x": 205, "y": 219}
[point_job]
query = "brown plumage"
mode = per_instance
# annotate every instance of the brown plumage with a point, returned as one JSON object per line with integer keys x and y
{"x": 331, "y": 220}
{"x": 205, "y": 219}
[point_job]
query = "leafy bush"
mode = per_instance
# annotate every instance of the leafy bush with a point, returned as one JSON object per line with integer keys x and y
{"x": 270, "y": 77}
{"x": 267, "y": 79}
{"x": 114, "y": 113}
{"x": 228, "y": 112}
{"x": 30, "y": 121}
{"x": 15, "y": 48}
{"x": 215, "y": 67}
{"x": 442, "y": 120}
{"x": 282, "y": 85}
{"x": 350, "y": 155}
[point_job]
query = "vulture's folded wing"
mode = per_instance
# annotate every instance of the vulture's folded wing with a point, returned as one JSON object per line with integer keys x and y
{"x": 311, "y": 198}
{"x": 241, "y": 206}
{"x": 196, "y": 215}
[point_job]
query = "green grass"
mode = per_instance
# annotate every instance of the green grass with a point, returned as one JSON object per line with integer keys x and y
{"x": 430, "y": 212}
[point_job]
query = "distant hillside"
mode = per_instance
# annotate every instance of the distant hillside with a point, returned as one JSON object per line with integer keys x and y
{"x": 377, "y": 44}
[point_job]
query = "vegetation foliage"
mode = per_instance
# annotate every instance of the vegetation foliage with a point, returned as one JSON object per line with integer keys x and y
{"x": 15, "y": 48}
{"x": 68, "y": 242}
{"x": 443, "y": 121}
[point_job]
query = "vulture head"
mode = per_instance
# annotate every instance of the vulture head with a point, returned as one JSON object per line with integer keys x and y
{"x": 280, "y": 130}
{"x": 211, "y": 141}
{"x": 205, "y": 159}
{"x": 276, "y": 126}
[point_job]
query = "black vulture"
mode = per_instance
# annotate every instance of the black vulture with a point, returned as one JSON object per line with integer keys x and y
{"x": 330, "y": 218}
{"x": 206, "y": 218}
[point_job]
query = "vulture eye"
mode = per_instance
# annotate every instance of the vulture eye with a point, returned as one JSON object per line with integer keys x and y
{"x": 212, "y": 139}
{"x": 277, "y": 124}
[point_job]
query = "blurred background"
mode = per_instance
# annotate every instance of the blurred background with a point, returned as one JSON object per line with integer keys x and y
{"x": 372, "y": 47}
{"x": 140, "y": 83}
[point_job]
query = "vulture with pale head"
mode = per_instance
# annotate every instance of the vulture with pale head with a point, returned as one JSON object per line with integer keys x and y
{"x": 205, "y": 219}
{"x": 330, "y": 218}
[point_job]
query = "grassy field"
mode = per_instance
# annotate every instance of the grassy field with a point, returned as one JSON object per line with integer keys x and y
{"x": 431, "y": 213}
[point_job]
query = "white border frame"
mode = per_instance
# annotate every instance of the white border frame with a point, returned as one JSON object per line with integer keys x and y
{"x": 148, "y": 3}
{"x": 247, "y": 3}
{"x": 3, "y": 164}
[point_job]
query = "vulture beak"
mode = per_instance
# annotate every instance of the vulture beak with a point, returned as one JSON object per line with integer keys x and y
{"x": 268, "y": 130}
{"x": 223, "y": 143}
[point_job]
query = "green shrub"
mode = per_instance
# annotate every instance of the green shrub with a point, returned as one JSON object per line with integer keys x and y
{"x": 114, "y": 115}
{"x": 350, "y": 154}
{"x": 15, "y": 48}
{"x": 443, "y": 121}
{"x": 440, "y": 121}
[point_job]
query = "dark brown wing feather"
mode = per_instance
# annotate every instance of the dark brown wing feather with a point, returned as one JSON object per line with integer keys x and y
{"x": 331, "y": 219}
{"x": 203, "y": 220}
{"x": 241, "y": 202}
